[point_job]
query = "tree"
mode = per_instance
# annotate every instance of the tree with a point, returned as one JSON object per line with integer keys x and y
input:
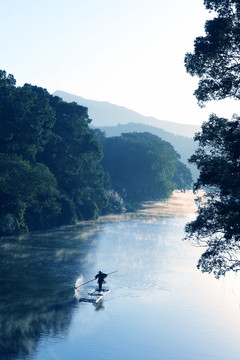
{"x": 142, "y": 166}
{"x": 26, "y": 120}
{"x": 27, "y": 192}
{"x": 73, "y": 157}
{"x": 6, "y": 80}
{"x": 182, "y": 177}
{"x": 216, "y": 57}
{"x": 217, "y": 225}
{"x": 50, "y": 171}
{"x": 216, "y": 61}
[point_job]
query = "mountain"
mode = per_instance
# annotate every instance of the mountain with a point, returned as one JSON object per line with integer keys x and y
{"x": 106, "y": 114}
{"x": 183, "y": 145}
{"x": 115, "y": 120}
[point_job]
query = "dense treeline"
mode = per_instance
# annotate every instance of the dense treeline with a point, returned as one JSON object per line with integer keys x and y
{"x": 185, "y": 146}
{"x": 50, "y": 163}
{"x": 143, "y": 167}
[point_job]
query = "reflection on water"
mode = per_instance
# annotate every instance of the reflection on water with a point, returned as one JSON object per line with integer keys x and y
{"x": 38, "y": 273}
{"x": 159, "y": 307}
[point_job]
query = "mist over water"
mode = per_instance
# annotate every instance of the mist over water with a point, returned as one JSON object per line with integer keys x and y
{"x": 159, "y": 306}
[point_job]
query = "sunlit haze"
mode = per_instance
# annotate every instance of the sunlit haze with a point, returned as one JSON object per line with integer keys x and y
{"x": 128, "y": 52}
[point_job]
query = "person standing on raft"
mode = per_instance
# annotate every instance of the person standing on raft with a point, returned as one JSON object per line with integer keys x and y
{"x": 100, "y": 276}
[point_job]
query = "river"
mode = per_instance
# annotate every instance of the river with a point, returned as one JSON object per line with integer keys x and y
{"x": 159, "y": 305}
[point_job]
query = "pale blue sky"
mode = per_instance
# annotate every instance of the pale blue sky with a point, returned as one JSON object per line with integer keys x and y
{"x": 127, "y": 52}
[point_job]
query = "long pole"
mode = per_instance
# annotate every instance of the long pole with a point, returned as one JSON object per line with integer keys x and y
{"x": 112, "y": 272}
{"x": 84, "y": 283}
{"x": 94, "y": 279}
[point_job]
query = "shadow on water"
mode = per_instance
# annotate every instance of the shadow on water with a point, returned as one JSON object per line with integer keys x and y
{"x": 99, "y": 306}
{"x": 37, "y": 278}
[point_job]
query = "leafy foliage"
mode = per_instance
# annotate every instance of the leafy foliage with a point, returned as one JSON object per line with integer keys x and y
{"x": 27, "y": 191}
{"x": 26, "y": 120}
{"x": 216, "y": 57}
{"x": 217, "y": 225}
{"x": 216, "y": 61}
{"x": 116, "y": 203}
{"x": 143, "y": 167}
{"x": 49, "y": 162}
{"x": 74, "y": 159}
{"x": 50, "y": 171}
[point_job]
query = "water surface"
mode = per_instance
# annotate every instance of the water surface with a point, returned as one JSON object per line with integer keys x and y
{"x": 160, "y": 306}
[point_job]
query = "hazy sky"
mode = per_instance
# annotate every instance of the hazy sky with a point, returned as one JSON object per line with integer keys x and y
{"x": 127, "y": 52}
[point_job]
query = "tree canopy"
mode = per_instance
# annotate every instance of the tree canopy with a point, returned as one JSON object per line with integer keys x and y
{"x": 144, "y": 167}
{"x": 217, "y": 225}
{"x": 216, "y": 61}
{"x": 49, "y": 160}
{"x": 50, "y": 163}
{"x": 216, "y": 56}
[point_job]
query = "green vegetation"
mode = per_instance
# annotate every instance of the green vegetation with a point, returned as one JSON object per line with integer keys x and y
{"x": 52, "y": 169}
{"x": 49, "y": 162}
{"x": 216, "y": 62}
{"x": 185, "y": 146}
{"x": 216, "y": 56}
{"x": 143, "y": 167}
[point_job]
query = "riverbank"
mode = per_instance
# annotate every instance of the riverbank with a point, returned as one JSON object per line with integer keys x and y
{"x": 179, "y": 204}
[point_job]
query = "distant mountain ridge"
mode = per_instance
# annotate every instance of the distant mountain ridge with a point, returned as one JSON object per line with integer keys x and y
{"x": 106, "y": 114}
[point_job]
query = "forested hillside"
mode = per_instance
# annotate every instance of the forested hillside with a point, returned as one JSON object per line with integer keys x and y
{"x": 49, "y": 161}
{"x": 144, "y": 167}
{"x": 55, "y": 169}
{"x": 185, "y": 146}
